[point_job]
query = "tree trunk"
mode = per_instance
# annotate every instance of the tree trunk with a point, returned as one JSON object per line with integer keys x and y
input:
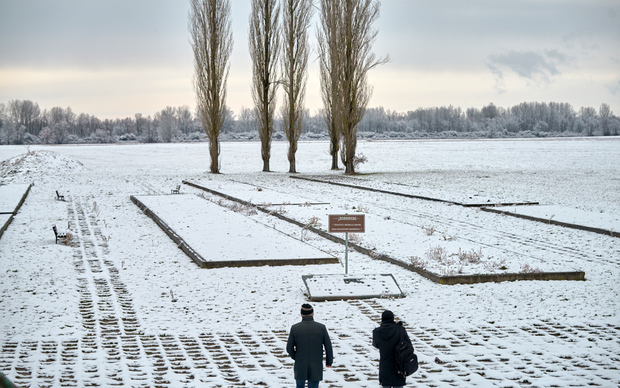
{"x": 266, "y": 165}
{"x": 292, "y": 169}
{"x": 214, "y": 153}
{"x": 292, "y": 149}
{"x": 349, "y": 169}
{"x": 335, "y": 161}
{"x": 334, "y": 146}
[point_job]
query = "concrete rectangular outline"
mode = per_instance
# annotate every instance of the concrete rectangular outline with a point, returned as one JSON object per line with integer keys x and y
{"x": 400, "y": 295}
{"x": 448, "y": 280}
{"x": 203, "y": 263}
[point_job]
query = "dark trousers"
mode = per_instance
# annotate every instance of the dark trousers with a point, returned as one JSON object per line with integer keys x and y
{"x": 311, "y": 384}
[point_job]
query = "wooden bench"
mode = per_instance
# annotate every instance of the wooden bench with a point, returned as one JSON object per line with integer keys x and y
{"x": 59, "y": 236}
{"x": 59, "y": 197}
{"x": 176, "y": 191}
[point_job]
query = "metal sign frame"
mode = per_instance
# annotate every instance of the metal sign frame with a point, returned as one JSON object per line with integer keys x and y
{"x": 347, "y": 223}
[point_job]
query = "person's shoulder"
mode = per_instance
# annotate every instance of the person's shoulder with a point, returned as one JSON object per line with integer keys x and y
{"x": 297, "y": 324}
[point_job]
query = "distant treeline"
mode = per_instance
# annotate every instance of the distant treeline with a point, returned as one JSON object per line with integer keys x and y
{"x": 23, "y": 122}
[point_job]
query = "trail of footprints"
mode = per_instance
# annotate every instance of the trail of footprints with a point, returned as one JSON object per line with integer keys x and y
{"x": 114, "y": 351}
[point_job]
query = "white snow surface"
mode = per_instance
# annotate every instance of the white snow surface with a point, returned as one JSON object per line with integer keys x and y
{"x": 220, "y": 234}
{"x": 101, "y": 312}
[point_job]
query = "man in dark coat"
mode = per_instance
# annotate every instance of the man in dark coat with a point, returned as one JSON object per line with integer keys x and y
{"x": 385, "y": 338}
{"x": 305, "y": 345}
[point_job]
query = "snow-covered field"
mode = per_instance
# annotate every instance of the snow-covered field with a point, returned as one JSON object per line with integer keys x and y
{"x": 101, "y": 311}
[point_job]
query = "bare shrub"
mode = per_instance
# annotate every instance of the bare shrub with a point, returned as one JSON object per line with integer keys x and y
{"x": 361, "y": 209}
{"x": 471, "y": 257}
{"x": 278, "y": 210}
{"x": 314, "y": 222}
{"x": 359, "y": 159}
{"x": 417, "y": 262}
{"x": 355, "y": 238}
{"x": 448, "y": 238}
{"x": 438, "y": 254}
{"x": 495, "y": 265}
{"x": 429, "y": 230}
{"x": 526, "y": 268}
{"x": 243, "y": 209}
{"x": 450, "y": 271}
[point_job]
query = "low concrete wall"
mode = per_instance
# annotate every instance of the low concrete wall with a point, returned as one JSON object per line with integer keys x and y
{"x": 195, "y": 256}
{"x": 459, "y": 279}
{"x": 410, "y": 195}
{"x": 4, "y": 227}
{"x": 553, "y": 222}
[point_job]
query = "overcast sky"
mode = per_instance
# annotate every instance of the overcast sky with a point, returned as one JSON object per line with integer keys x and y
{"x": 115, "y": 58}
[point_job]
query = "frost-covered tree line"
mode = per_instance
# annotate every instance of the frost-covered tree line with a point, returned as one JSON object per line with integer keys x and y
{"x": 24, "y": 122}
{"x": 528, "y": 119}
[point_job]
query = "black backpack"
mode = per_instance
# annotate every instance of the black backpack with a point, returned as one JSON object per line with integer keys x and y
{"x": 406, "y": 359}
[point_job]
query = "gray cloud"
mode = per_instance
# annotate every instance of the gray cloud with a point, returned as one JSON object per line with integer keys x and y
{"x": 538, "y": 68}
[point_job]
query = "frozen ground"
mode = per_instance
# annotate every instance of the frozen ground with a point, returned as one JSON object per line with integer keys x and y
{"x": 100, "y": 312}
{"x": 223, "y": 235}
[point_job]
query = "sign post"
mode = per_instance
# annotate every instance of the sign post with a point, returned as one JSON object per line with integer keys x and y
{"x": 347, "y": 223}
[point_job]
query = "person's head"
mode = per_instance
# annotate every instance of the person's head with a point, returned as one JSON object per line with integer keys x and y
{"x": 387, "y": 316}
{"x": 307, "y": 310}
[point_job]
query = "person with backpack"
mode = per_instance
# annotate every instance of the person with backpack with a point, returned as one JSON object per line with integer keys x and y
{"x": 396, "y": 356}
{"x": 305, "y": 345}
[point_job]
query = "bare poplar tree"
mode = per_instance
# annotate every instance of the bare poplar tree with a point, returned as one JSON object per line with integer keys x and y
{"x": 350, "y": 59}
{"x": 327, "y": 37}
{"x": 264, "y": 42}
{"x": 296, "y": 15}
{"x": 212, "y": 42}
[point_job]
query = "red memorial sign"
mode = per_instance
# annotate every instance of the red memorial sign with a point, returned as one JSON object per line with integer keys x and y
{"x": 347, "y": 223}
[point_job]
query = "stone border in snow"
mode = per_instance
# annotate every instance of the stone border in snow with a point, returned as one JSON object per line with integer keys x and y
{"x": 12, "y": 197}
{"x": 571, "y": 218}
{"x": 188, "y": 221}
{"x": 426, "y": 198}
{"x": 350, "y": 286}
{"x": 447, "y": 279}
{"x": 5, "y": 221}
{"x": 9, "y": 194}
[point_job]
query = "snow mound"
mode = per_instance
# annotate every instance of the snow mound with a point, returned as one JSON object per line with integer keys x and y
{"x": 38, "y": 163}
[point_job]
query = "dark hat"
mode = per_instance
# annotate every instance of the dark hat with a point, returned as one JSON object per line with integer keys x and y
{"x": 306, "y": 309}
{"x": 387, "y": 316}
